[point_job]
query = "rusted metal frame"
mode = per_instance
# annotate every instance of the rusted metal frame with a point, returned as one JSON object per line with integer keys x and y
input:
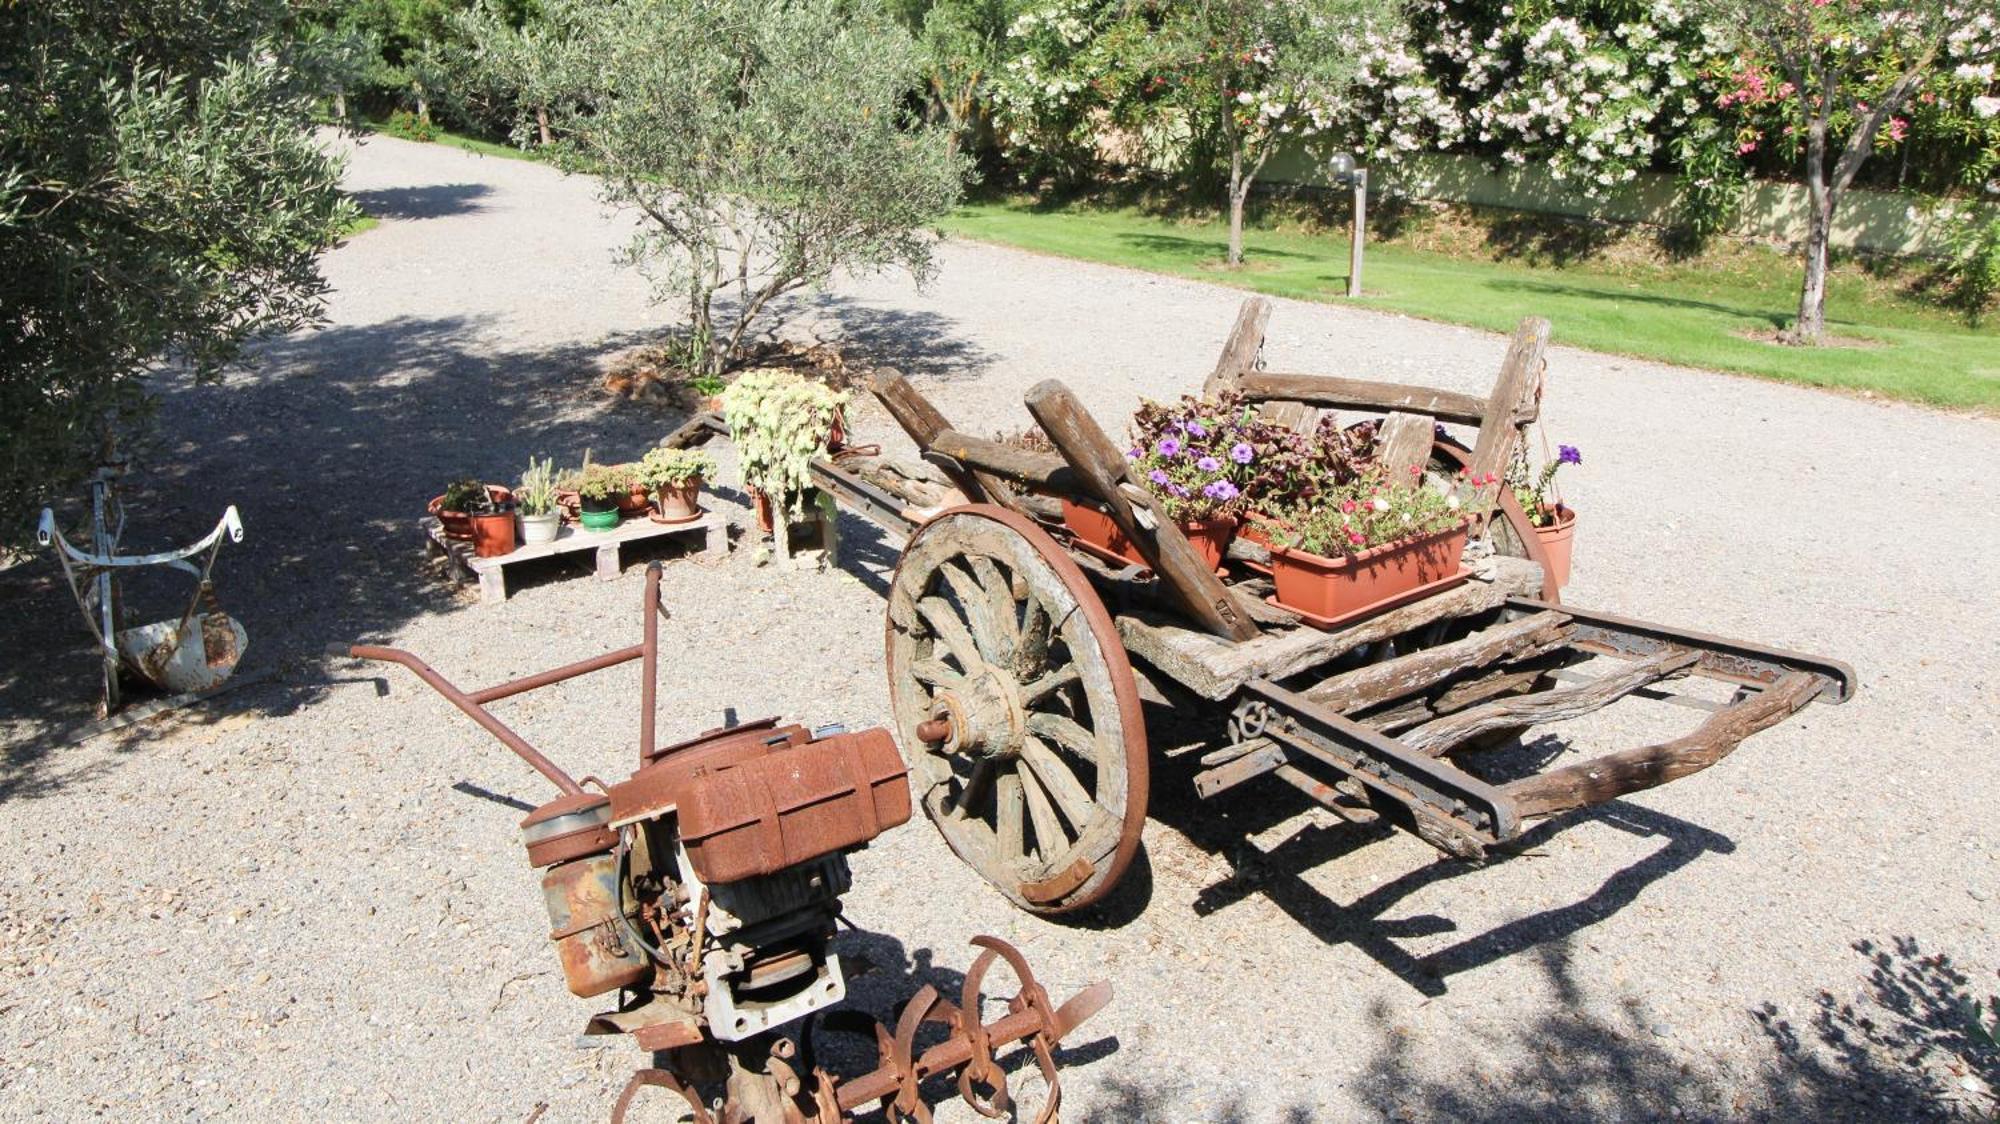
{"x": 466, "y": 703}
{"x": 528, "y": 683}
{"x": 1724, "y": 660}
{"x": 649, "y": 674}
{"x": 1478, "y": 813}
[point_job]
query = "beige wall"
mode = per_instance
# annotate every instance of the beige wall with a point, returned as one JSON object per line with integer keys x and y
{"x": 1883, "y": 222}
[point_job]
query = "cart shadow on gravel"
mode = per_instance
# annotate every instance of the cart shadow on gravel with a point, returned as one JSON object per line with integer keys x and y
{"x": 1224, "y": 825}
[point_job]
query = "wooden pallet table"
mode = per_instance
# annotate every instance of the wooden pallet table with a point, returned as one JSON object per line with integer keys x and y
{"x": 492, "y": 572}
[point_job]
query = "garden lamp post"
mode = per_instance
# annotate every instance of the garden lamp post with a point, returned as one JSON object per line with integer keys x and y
{"x": 1346, "y": 173}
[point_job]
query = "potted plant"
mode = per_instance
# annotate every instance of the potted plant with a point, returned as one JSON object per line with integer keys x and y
{"x": 1367, "y": 545}
{"x": 535, "y": 501}
{"x": 676, "y": 476}
{"x": 601, "y": 490}
{"x": 453, "y": 510}
{"x": 1200, "y": 459}
{"x": 1554, "y": 521}
{"x": 1293, "y": 470}
{"x": 779, "y": 421}
{"x": 492, "y": 525}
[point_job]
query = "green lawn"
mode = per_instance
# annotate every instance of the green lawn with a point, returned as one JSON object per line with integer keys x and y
{"x": 1695, "y": 315}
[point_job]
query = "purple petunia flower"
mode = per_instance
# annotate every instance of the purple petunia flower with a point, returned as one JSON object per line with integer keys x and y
{"x": 1157, "y": 477}
{"x": 1178, "y": 491}
{"x": 1242, "y": 453}
{"x": 1220, "y": 490}
{"x": 1208, "y": 464}
{"x": 1169, "y": 447}
{"x": 1196, "y": 429}
{"x": 1568, "y": 454}
{"x": 1134, "y": 454}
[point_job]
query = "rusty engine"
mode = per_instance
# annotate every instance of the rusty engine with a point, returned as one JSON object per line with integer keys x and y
{"x": 704, "y": 892}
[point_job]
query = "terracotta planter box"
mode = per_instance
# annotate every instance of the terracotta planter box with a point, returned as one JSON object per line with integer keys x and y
{"x": 1335, "y": 587}
{"x": 457, "y": 524}
{"x": 1210, "y": 537}
{"x": 1556, "y": 541}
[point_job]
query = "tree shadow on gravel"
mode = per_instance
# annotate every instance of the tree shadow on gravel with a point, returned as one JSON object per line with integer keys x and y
{"x": 431, "y": 201}
{"x": 331, "y": 445}
{"x": 1576, "y": 1063}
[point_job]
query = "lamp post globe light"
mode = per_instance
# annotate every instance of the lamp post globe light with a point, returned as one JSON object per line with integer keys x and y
{"x": 1344, "y": 171}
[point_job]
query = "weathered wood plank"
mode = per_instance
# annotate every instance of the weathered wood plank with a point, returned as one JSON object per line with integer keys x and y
{"x": 1509, "y": 679}
{"x": 1406, "y": 444}
{"x": 1443, "y": 735}
{"x": 1338, "y": 393}
{"x": 1042, "y": 471}
{"x": 1214, "y": 669}
{"x": 1618, "y": 774}
{"x": 1516, "y": 393}
{"x": 1421, "y": 670}
{"x": 923, "y": 422}
{"x": 1239, "y": 351}
{"x": 1295, "y": 416}
{"x": 1101, "y": 467}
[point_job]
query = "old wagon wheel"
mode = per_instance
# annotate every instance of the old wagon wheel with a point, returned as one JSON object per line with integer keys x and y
{"x": 1015, "y": 700}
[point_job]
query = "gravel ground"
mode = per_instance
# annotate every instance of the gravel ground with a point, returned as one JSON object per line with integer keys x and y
{"x": 306, "y": 900}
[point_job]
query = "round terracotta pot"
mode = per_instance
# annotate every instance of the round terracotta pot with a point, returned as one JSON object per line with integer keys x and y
{"x": 1556, "y": 541}
{"x": 638, "y": 501}
{"x": 678, "y": 502}
{"x": 761, "y": 504}
{"x": 457, "y": 524}
{"x": 493, "y": 535}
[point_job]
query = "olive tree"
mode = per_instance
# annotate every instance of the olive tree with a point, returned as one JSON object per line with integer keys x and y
{"x": 762, "y": 144}
{"x": 162, "y": 201}
{"x": 1848, "y": 67}
{"x": 1257, "y": 74}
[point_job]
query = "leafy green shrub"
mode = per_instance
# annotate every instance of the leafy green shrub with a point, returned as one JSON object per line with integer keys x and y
{"x": 410, "y": 127}
{"x": 1972, "y": 274}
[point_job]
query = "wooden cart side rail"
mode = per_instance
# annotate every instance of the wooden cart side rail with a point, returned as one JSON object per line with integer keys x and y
{"x": 1619, "y": 774}
{"x": 1722, "y": 659}
{"x": 1334, "y": 393}
{"x": 923, "y": 422}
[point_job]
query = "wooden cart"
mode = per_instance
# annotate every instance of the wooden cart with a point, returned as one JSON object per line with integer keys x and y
{"x": 1017, "y": 692}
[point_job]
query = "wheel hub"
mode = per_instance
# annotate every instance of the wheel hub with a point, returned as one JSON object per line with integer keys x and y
{"x": 983, "y": 718}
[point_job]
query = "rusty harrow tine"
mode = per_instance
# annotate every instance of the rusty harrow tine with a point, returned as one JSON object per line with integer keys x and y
{"x": 662, "y": 1079}
{"x": 896, "y": 1079}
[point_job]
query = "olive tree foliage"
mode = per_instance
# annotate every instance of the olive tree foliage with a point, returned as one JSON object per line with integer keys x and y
{"x": 1257, "y": 74}
{"x": 962, "y": 44}
{"x": 1848, "y": 67}
{"x": 162, "y": 202}
{"x": 763, "y": 145}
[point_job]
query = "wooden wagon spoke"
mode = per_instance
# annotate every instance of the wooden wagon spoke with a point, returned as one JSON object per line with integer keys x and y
{"x": 1007, "y": 818}
{"x": 1005, "y": 611}
{"x": 936, "y": 675}
{"x": 1050, "y": 839}
{"x": 977, "y": 607}
{"x": 945, "y": 623}
{"x": 1032, "y": 654}
{"x": 1070, "y": 796}
{"x": 975, "y": 786}
{"x": 1066, "y": 732}
{"x": 1035, "y": 692}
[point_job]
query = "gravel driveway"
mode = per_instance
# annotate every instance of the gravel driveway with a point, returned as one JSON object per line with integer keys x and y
{"x": 306, "y": 901}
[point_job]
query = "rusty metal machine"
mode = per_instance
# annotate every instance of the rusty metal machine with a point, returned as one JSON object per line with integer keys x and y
{"x": 703, "y": 892}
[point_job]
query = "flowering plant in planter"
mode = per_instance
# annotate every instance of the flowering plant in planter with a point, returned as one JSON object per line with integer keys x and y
{"x": 674, "y": 468}
{"x": 1368, "y": 512}
{"x": 1368, "y": 545}
{"x": 1196, "y": 456}
{"x": 1536, "y": 490}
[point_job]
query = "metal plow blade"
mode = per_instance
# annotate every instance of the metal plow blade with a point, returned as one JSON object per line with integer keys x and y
{"x": 781, "y": 1095}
